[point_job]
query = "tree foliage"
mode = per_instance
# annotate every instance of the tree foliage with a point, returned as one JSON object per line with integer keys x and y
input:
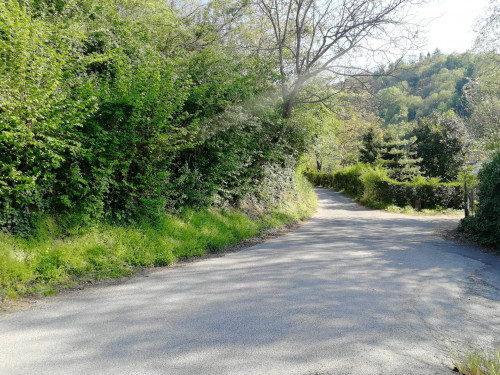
{"x": 442, "y": 143}
{"x": 485, "y": 226}
{"x": 110, "y": 110}
{"x": 369, "y": 150}
{"x": 400, "y": 157}
{"x": 483, "y": 90}
{"x": 417, "y": 89}
{"x": 393, "y": 152}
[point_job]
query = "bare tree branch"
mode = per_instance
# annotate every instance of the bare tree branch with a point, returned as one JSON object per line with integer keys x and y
{"x": 317, "y": 37}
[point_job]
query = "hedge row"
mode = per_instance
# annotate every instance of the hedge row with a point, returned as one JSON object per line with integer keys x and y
{"x": 346, "y": 179}
{"x": 374, "y": 185}
{"x": 447, "y": 195}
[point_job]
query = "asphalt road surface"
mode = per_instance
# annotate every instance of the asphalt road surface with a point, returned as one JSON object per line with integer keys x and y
{"x": 352, "y": 291}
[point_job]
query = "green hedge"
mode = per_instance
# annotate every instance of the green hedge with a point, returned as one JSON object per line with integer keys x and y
{"x": 446, "y": 195}
{"x": 101, "y": 122}
{"x": 374, "y": 185}
{"x": 346, "y": 179}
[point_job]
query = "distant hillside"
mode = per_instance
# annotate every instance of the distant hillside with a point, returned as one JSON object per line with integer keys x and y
{"x": 416, "y": 89}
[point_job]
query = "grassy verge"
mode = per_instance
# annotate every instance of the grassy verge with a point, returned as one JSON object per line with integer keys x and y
{"x": 50, "y": 261}
{"x": 477, "y": 363}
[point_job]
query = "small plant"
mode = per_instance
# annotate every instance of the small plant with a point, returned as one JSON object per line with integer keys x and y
{"x": 408, "y": 210}
{"x": 478, "y": 363}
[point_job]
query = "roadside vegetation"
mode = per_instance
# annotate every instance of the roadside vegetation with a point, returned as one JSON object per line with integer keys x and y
{"x": 373, "y": 188}
{"x": 55, "y": 258}
{"x": 478, "y": 363}
{"x": 484, "y": 227}
{"x": 133, "y": 134}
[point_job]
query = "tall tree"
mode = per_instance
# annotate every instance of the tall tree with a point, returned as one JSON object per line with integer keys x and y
{"x": 442, "y": 143}
{"x": 488, "y": 33}
{"x": 369, "y": 151}
{"x": 400, "y": 157}
{"x": 314, "y": 37}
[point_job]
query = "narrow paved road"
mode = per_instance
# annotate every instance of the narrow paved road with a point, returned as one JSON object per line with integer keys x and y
{"x": 353, "y": 291}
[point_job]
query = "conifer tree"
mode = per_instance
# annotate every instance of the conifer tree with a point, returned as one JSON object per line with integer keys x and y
{"x": 400, "y": 158}
{"x": 370, "y": 148}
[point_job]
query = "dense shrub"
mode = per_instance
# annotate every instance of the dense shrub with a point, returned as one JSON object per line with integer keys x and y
{"x": 39, "y": 111}
{"x": 374, "y": 185}
{"x": 485, "y": 226}
{"x": 428, "y": 195}
{"x": 346, "y": 179}
{"x": 106, "y": 118}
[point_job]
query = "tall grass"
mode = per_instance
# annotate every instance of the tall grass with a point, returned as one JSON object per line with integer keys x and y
{"x": 53, "y": 259}
{"x": 478, "y": 363}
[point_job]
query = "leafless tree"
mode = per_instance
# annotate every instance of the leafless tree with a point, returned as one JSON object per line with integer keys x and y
{"x": 324, "y": 39}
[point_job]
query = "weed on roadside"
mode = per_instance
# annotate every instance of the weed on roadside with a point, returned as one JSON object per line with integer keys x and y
{"x": 478, "y": 363}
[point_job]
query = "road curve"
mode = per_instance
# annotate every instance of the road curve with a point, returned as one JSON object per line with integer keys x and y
{"x": 353, "y": 291}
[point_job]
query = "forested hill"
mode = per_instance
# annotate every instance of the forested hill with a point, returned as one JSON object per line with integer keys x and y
{"x": 417, "y": 89}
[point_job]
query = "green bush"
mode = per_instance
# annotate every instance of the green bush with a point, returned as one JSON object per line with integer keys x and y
{"x": 485, "y": 226}
{"x": 103, "y": 120}
{"x": 39, "y": 109}
{"x": 445, "y": 195}
{"x": 371, "y": 179}
{"x": 347, "y": 179}
{"x": 373, "y": 185}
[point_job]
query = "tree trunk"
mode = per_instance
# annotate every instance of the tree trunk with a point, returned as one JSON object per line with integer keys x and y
{"x": 466, "y": 198}
{"x": 288, "y": 107}
{"x": 318, "y": 164}
{"x": 288, "y": 104}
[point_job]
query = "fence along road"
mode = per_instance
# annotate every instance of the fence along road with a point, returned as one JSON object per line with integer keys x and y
{"x": 353, "y": 291}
